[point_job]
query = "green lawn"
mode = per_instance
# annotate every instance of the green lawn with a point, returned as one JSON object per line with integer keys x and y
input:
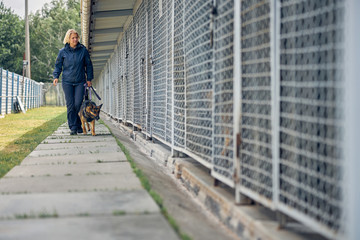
{"x": 21, "y": 133}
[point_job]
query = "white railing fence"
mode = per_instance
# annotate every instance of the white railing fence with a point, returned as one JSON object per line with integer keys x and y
{"x": 12, "y": 86}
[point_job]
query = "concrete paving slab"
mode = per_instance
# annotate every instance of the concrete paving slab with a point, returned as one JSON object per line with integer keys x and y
{"x": 75, "y": 159}
{"x": 75, "y": 151}
{"x": 97, "y": 124}
{"x": 76, "y": 204}
{"x": 72, "y": 145}
{"x": 129, "y": 227}
{"x": 120, "y": 168}
{"x": 69, "y": 184}
{"x": 97, "y": 127}
{"x": 67, "y": 133}
{"x": 98, "y": 138}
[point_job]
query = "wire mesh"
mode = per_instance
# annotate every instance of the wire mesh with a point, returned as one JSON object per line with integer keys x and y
{"x": 223, "y": 155}
{"x": 142, "y": 61}
{"x": 178, "y": 71}
{"x": 159, "y": 69}
{"x": 113, "y": 85}
{"x": 311, "y": 80}
{"x": 149, "y": 94}
{"x": 255, "y": 125}
{"x": 199, "y": 78}
{"x": 120, "y": 82}
{"x": 123, "y": 77}
{"x": 169, "y": 80}
{"x": 136, "y": 69}
{"x": 129, "y": 77}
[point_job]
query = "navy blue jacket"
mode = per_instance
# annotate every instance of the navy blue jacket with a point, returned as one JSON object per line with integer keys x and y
{"x": 73, "y": 62}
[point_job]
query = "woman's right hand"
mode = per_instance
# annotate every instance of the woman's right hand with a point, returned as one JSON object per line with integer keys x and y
{"x": 55, "y": 81}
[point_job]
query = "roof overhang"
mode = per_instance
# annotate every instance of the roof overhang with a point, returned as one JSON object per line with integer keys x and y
{"x": 102, "y": 25}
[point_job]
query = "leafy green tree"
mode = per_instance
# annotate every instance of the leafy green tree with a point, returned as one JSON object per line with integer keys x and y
{"x": 12, "y": 40}
{"x": 47, "y": 31}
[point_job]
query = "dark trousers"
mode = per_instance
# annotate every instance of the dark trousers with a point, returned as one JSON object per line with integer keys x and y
{"x": 73, "y": 96}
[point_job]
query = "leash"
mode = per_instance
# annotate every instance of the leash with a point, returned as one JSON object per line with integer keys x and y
{"x": 88, "y": 89}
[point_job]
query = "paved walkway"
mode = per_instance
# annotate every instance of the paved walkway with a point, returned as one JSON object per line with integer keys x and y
{"x": 78, "y": 187}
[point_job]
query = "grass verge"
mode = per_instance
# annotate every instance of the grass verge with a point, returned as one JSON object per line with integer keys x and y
{"x": 15, "y": 151}
{"x": 146, "y": 184}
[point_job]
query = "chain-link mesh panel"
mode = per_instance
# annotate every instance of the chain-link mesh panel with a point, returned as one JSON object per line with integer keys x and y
{"x": 199, "y": 78}
{"x": 110, "y": 84}
{"x": 129, "y": 77}
{"x": 255, "y": 125}
{"x": 149, "y": 106}
{"x": 116, "y": 79}
{"x": 169, "y": 81}
{"x": 159, "y": 68}
{"x": 310, "y": 117}
{"x": 120, "y": 82}
{"x": 142, "y": 56}
{"x": 136, "y": 69}
{"x": 123, "y": 77}
{"x": 113, "y": 84}
{"x": 223, "y": 156}
{"x": 106, "y": 89}
{"x": 179, "y": 83}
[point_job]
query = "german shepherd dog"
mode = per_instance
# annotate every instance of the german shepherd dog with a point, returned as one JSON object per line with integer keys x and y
{"x": 89, "y": 112}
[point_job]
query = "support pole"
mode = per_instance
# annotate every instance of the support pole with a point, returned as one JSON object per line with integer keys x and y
{"x": 27, "y": 42}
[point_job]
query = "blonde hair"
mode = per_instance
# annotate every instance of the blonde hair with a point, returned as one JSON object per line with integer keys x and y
{"x": 68, "y": 34}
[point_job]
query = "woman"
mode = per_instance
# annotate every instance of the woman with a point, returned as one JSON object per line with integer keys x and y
{"x": 73, "y": 61}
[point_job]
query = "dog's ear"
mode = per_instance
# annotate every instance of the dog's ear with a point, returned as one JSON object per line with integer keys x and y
{"x": 100, "y": 106}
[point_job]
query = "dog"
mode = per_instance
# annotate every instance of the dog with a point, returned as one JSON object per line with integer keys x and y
{"x": 88, "y": 113}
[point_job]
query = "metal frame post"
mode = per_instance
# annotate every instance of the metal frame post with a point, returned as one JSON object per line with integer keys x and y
{"x": 237, "y": 96}
{"x": 275, "y": 93}
{"x": 146, "y": 68}
{"x": 213, "y": 29}
{"x": 352, "y": 115}
{"x": 7, "y": 92}
{"x": 185, "y": 78}
{"x": 12, "y": 91}
{"x": 152, "y": 74}
{"x": 172, "y": 80}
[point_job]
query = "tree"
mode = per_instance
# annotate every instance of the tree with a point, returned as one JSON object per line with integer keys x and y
{"x": 12, "y": 40}
{"x": 47, "y": 31}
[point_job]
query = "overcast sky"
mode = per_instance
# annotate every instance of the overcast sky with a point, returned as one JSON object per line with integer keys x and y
{"x": 19, "y": 5}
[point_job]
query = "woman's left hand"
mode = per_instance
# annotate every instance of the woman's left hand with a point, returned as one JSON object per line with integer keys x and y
{"x": 89, "y": 84}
